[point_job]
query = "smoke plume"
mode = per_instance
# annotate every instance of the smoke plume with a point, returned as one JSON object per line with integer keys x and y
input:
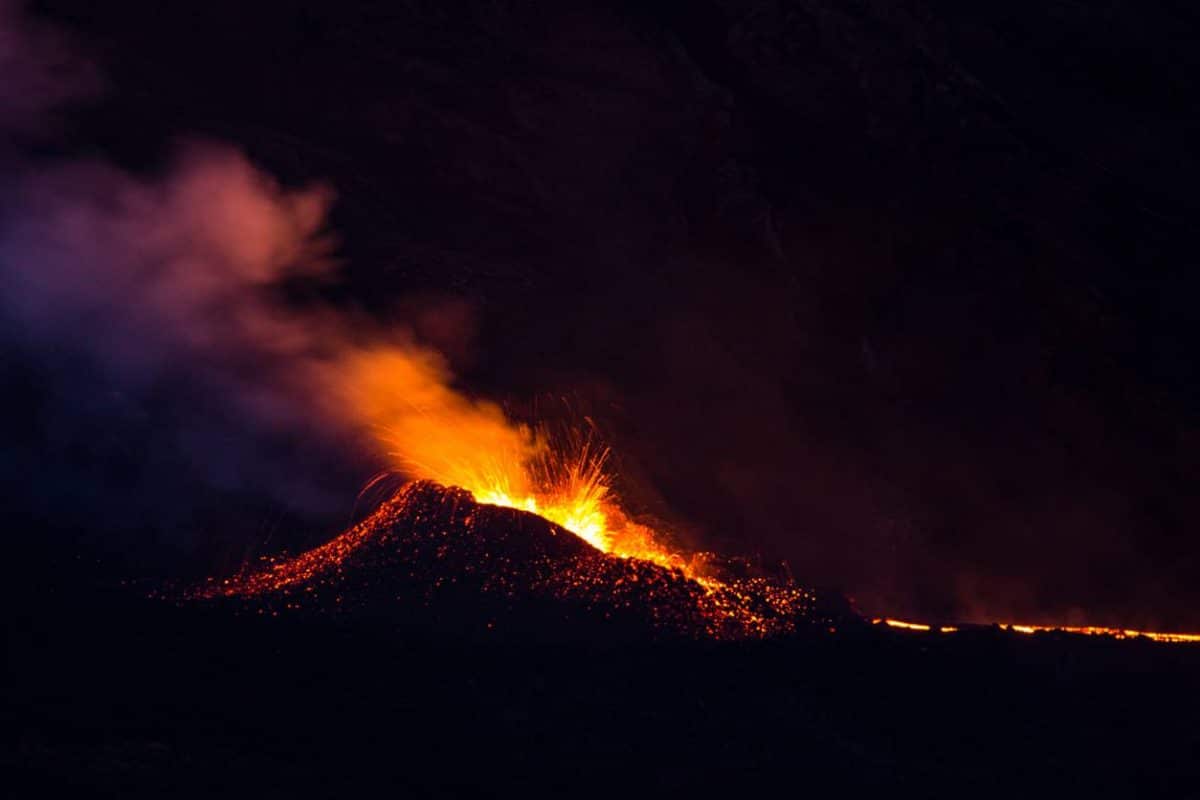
{"x": 156, "y": 320}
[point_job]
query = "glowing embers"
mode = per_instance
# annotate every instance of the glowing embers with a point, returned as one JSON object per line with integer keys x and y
{"x": 566, "y": 483}
{"x": 464, "y": 562}
{"x": 1083, "y": 630}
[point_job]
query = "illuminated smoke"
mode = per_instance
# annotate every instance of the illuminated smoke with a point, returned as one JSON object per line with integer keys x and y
{"x": 179, "y": 280}
{"x": 185, "y": 273}
{"x": 169, "y": 291}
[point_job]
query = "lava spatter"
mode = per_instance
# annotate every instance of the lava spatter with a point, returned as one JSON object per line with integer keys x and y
{"x": 435, "y": 551}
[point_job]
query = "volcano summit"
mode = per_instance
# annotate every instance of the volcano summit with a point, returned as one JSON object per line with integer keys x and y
{"x": 434, "y": 553}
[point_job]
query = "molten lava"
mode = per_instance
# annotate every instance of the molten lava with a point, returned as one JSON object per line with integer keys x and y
{"x": 526, "y": 520}
{"x": 433, "y": 432}
{"x": 1083, "y": 630}
{"x": 572, "y": 491}
{"x": 435, "y": 547}
{"x": 468, "y": 463}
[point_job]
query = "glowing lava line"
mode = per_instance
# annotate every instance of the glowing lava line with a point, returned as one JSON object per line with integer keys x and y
{"x": 1084, "y": 630}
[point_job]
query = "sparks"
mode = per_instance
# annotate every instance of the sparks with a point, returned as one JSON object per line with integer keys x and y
{"x": 429, "y": 536}
{"x": 569, "y": 485}
{"x": 437, "y": 435}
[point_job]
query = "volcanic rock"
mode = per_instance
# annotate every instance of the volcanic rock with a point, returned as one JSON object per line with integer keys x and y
{"x": 433, "y": 556}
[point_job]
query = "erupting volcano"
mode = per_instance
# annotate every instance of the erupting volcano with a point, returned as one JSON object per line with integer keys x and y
{"x": 478, "y": 565}
{"x": 503, "y": 525}
{"x": 501, "y": 515}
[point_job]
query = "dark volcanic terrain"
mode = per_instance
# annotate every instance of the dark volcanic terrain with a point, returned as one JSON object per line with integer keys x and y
{"x": 431, "y": 556}
{"x": 111, "y": 694}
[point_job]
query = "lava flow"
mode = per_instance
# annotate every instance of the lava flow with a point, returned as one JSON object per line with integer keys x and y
{"x": 1083, "y": 630}
{"x": 500, "y": 517}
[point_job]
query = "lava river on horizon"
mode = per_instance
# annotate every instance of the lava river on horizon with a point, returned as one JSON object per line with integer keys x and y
{"x": 436, "y": 554}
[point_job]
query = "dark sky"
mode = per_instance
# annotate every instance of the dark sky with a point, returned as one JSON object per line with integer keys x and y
{"x": 898, "y": 292}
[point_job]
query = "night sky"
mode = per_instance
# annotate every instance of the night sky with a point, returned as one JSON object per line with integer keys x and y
{"x": 901, "y": 293}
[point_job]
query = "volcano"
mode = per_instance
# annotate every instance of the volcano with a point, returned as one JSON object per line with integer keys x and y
{"x": 433, "y": 555}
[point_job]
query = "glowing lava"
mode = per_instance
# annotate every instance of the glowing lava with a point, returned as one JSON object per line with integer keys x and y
{"x": 433, "y": 432}
{"x": 443, "y": 439}
{"x": 568, "y": 486}
{"x": 431, "y": 545}
{"x": 458, "y": 445}
{"x": 1084, "y": 630}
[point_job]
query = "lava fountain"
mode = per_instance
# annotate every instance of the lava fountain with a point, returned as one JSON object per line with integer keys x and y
{"x": 432, "y": 432}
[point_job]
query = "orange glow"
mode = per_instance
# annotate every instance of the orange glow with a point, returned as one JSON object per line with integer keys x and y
{"x": 908, "y": 626}
{"x": 435, "y": 433}
{"x": 913, "y": 626}
{"x": 1116, "y": 633}
{"x": 442, "y": 535}
{"x": 1084, "y": 630}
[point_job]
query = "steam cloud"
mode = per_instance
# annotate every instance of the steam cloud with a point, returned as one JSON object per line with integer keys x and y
{"x": 165, "y": 300}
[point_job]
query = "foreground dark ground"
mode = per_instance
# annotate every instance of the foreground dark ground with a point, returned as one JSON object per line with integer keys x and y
{"x": 108, "y": 691}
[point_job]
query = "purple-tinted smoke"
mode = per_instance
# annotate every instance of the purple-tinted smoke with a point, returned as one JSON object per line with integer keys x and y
{"x": 153, "y": 312}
